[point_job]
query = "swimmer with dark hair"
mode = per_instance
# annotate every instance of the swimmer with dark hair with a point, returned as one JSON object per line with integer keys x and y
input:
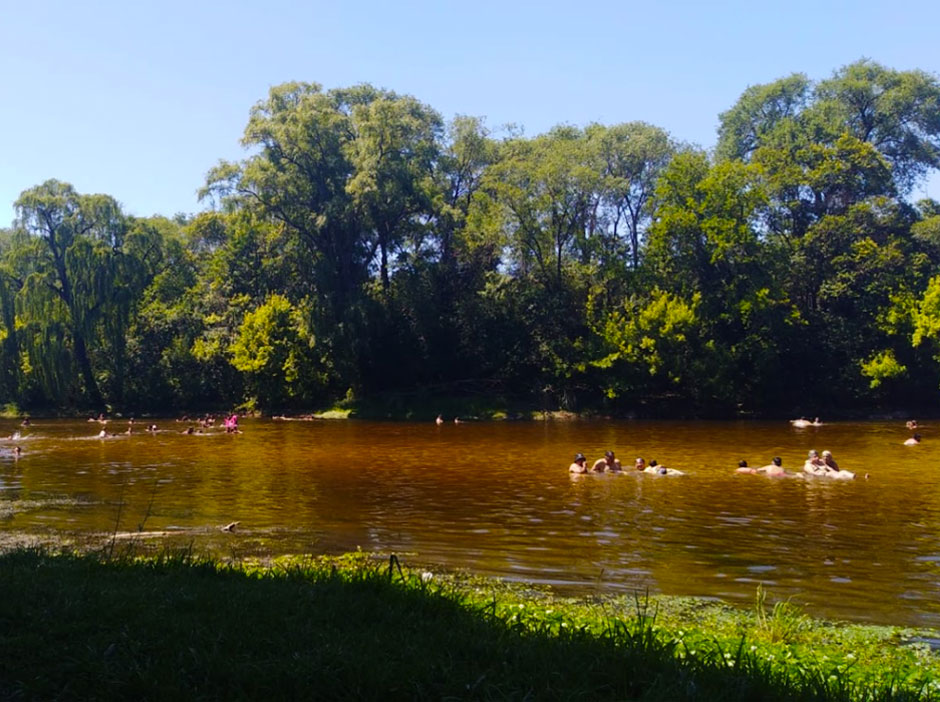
{"x": 578, "y": 466}
{"x": 608, "y": 463}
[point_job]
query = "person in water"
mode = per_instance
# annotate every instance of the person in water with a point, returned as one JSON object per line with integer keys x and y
{"x": 579, "y": 464}
{"x": 814, "y": 465}
{"x": 654, "y": 468}
{"x": 439, "y": 420}
{"x": 834, "y": 470}
{"x": 913, "y": 441}
{"x": 774, "y": 468}
{"x": 608, "y": 463}
{"x": 911, "y": 424}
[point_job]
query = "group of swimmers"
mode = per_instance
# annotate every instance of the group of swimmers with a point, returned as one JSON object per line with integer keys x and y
{"x": 609, "y": 463}
{"x": 822, "y": 466}
{"x": 818, "y": 465}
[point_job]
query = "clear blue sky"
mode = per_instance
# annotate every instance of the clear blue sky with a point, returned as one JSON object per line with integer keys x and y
{"x": 139, "y": 99}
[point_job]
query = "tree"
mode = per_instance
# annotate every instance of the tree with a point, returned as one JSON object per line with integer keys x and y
{"x": 393, "y": 154}
{"x": 757, "y": 113}
{"x": 274, "y": 350}
{"x": 632, "y": 156}
{"x": 71, "y": 251}
{"x": 897, "y": 112}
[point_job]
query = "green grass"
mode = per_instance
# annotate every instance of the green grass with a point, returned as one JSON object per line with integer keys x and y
{"x": 179, "y": 626}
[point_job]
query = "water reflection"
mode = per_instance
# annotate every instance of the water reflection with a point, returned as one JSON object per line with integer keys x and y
{"x": 496, "y": 498}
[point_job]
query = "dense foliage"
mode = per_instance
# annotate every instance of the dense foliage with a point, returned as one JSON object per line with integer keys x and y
{"x": 366, "y": 249}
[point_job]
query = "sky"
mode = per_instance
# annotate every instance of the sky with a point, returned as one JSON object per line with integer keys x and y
{"x": 138, "y": 100}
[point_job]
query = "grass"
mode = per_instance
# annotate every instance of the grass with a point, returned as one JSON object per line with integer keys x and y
{"x": 180, "y": 626}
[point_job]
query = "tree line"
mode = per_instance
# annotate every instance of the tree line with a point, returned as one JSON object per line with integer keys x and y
{"x": 367, "y": 248}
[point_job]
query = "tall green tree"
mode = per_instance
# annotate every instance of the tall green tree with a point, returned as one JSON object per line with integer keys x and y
{"x": 71, "y": 258}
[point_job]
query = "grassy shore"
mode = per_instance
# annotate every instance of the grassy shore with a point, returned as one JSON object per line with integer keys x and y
{"x": 178, "y": 626}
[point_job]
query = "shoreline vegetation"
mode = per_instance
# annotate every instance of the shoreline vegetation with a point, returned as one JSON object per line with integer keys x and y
{"x": 119, "y": 625}
{"x": 369, "y": 253}
{"x": 427, "y": 408}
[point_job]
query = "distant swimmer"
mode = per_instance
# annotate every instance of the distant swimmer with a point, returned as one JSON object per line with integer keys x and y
{"x": 913, "y": 441}
{"x": 814, "y": 465}
{"x": 774, "y": 468}
{"x": 911, "y": 424}
{"x": 744, "y": 468}
{"x": 825, "y": 466}
{"x": 654, "y": 468}
{"x": 608, "y": 463}
{"x": 579, "y": 465}
{"x": 802, "y": 423}
{"x": 25, "y": 422}
{"x": 439, "y": 420}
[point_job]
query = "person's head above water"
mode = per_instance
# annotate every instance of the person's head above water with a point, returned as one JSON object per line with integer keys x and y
{"x": 579, "y": 458}
{"x": 777, "y": 461}
{"x": 812, "y": 454}
{"x": 639, "y": 463}
{"x": 608, "y": 454}
{"x": 742, "y": 463}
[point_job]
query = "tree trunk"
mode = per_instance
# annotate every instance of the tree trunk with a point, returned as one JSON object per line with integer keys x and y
{"x": 84, "y": 365}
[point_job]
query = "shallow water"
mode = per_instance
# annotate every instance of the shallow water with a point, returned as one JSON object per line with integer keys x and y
{"x": 496, "y": 498}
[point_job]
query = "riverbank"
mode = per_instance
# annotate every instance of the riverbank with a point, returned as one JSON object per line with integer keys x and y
{"x": 421, "y": 407}
{"x": 356, "y": 626}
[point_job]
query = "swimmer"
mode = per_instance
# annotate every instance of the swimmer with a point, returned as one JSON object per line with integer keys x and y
{"x": 25, "y": 422}
{"x": 801, "y": 422}
{"x": 814, "y": 465}
{"x": 774, "y": 468}
{"x": 744, "y": 468}
{"x": 152, "y": 428}
{"x": 913, "y": 441}
{"x": 608, "y": 463}
{"x": 911, "y": 424}
{"x": 578, "y": 466}
{"x": 439, "y": 420}
{"x": 654, "y": 467}
{"x": 829, "y": 460}
{"x": 188, "y": 430}
{"x": 17, "y": 452}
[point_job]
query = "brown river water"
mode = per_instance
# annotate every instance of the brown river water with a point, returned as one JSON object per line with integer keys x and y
{"x": 496, "y": 499}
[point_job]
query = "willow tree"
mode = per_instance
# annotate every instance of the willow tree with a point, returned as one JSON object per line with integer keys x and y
{"x": 67, "y": 253}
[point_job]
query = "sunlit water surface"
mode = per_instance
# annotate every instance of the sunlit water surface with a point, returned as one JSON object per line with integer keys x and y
{"x": 496, "y": 498}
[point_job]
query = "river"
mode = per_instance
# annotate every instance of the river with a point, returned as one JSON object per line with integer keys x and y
{"x": 495, "y": 498}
